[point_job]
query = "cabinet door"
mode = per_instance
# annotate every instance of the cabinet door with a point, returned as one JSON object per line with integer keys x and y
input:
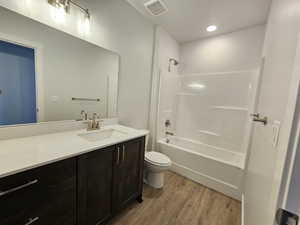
{"x": 128, "y": 172}
{"x": 41, "y": 196}
{"x": 95, "y": 186}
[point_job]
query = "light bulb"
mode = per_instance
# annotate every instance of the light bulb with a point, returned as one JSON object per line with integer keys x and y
{"x": 211, "y": 28}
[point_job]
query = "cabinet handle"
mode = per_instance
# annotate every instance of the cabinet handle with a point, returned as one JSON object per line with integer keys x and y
{"x": 31, "y": 221}
{"x": 118, "y": 155}
{"x": 2, "y": 193}
{"x": 123, "y": 153}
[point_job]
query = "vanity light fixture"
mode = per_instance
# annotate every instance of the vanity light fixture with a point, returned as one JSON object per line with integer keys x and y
{"x": 66, "y": 5}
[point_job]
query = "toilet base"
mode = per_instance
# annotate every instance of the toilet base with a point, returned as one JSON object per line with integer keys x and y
{"x": 155, "y": 180}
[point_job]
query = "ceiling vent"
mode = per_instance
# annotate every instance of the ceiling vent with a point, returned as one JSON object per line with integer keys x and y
{"x": 156, "y": 7}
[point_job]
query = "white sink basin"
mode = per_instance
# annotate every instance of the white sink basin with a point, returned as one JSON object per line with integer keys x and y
{"x": 101, "y": 135}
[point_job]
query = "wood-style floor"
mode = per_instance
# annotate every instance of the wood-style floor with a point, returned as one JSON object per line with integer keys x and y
{"x": 181, "y": 202}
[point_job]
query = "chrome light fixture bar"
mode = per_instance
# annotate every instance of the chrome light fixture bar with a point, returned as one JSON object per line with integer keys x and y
{"x": 66, "y": 5}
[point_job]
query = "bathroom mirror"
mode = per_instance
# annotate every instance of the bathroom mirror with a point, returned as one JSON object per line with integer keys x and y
{"x": 47, "y": 75}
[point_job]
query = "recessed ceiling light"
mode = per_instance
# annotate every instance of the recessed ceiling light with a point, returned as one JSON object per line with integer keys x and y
{"x": 211, "y": 28}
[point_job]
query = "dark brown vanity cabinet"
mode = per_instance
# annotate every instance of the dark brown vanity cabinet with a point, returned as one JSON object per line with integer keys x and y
{"x": 85, "y": 190}
{"x": 128, "y": 173}
{"x": 108, "y": 179}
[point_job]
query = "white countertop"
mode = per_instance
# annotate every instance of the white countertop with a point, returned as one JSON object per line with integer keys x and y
{"x": 20, "y": 154}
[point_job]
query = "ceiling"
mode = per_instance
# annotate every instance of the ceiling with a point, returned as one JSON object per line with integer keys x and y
{"x": 187, "y": 20}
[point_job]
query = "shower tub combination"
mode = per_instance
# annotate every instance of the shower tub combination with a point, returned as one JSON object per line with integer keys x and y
{"x": 214, "y": 167}
{"x": 209, "y": 113}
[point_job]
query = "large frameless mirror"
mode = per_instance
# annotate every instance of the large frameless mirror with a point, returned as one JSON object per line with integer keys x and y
{"x": 47, "y": 75}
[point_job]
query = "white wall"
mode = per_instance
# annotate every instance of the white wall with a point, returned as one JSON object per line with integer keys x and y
{"x": 163, "y": 82}
{"x": 117, "y": 26}
{"x": 240, "y": 50}
{"x": 168, "y": 48}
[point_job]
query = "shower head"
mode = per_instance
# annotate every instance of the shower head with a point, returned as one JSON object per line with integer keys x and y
{"x": 174, "y": 62}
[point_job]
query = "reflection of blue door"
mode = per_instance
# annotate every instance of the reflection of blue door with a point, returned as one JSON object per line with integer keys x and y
{"x": 17, "y": 84}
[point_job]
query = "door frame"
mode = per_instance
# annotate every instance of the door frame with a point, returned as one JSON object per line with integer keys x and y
{"x": 39, "y": 76}
{"x": 291, "y": 136}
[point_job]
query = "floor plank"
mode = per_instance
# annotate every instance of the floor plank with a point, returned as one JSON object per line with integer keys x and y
{"x": 181, "y": 202}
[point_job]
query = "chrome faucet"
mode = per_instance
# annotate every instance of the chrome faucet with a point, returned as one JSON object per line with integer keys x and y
{"x": 94, "y": 123}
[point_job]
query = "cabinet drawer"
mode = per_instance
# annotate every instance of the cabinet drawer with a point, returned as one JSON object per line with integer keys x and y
{"x": 44, "y": 194}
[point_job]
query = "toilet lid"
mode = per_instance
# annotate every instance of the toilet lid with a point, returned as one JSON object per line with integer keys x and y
{"x": 157, "y": 158}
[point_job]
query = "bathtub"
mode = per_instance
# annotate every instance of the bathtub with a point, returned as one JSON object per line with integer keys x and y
{"x": 216, "y": 168}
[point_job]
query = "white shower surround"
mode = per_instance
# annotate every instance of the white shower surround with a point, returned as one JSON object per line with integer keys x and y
{"x": 212, "y": 127}
{"x": 217, "y": 113}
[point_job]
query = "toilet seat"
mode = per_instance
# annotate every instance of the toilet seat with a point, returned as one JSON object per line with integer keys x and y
{"x": 157, "y": 158}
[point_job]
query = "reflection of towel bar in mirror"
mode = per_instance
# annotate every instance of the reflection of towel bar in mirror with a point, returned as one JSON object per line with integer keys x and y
{"x": 86, "y": 99}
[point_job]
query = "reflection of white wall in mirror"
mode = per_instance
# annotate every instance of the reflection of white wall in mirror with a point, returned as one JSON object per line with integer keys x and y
{"x": 196, "y": 86}
{"x": 28, "y": 3}
{"x": 84, "y": 25}
{"x": 112, "y": 94}
{"x": 54, "y": 98}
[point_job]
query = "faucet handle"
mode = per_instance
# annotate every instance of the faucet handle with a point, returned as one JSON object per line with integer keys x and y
{"x": 84, "y": 114}
{"x": 96, "y": 116}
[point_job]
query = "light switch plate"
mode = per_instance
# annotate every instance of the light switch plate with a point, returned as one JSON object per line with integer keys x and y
{"x": 275, "y": 134}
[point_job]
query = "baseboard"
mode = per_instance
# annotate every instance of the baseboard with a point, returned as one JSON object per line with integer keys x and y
{"x": 210, "y": 182}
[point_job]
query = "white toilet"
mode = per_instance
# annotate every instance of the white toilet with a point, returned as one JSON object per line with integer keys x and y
{"x": 155, "y": 165}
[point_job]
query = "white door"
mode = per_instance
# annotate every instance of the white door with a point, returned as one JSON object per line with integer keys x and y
{"x": 267, "y": 169}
